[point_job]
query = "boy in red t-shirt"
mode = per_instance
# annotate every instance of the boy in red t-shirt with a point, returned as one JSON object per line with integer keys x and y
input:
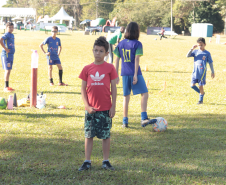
{"x": 98, "y": 88}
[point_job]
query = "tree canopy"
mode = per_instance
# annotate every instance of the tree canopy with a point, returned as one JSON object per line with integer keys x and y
{"x": 145, "y": 12}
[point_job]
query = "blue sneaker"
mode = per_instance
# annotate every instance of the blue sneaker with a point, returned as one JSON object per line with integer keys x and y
{"x": 107, "y": 166}
{"x": 125, "y": 125}
{"x": 85, "y": 166}
{"x": 147, "y": 121}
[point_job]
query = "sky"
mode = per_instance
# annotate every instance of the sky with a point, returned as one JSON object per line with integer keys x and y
{"x": 2, "y": 2}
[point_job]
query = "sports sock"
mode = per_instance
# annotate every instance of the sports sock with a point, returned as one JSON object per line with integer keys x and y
{"x": 201, "y": 96}
{"x": 144, "y": 115}
{"x": 6, "y": 84}
{"x": 89, "y": 161}
{"x": 105, "y": 160}
{"x": 125, "y": 120}
{"x": 195, "y": 88}
{"x": 51, "y": 80}
{"x": 60, "y": 75}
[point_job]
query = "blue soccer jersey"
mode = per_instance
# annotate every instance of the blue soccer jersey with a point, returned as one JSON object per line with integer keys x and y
{"x": 127, "y": 51}
{"x": 52, "y": 47}
{"x": 9, "y": 43}
{"x": 200, "y": 63}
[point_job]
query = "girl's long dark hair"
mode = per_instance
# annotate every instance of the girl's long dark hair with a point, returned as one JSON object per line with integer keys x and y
{"x": 132, "y": 31}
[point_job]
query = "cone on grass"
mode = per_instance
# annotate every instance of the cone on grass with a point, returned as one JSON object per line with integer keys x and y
{"x": 164, "y": 87}
{"x": 14, "y": 100}
{"x": 147, "y": 83}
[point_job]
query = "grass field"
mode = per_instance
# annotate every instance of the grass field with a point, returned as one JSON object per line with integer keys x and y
{"x": 47, "y": 146}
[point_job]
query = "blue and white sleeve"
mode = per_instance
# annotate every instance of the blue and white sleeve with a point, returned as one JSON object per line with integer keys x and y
{"x": 5, "y": 36}
{"x": 46, "y": 41}
{"x": 210, "y": 61}
{"x": 191, "y": 53}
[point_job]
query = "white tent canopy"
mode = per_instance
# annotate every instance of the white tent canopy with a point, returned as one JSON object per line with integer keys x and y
{"x": 17, "y": 18}
{"x": 62, "y": 15}
{"x": 17, "y": 12}
{"x": 46, "y": 19}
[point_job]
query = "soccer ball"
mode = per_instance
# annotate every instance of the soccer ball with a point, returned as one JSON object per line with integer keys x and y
{"x": 160, "y": 125}
{"x": 3, "y": 103}
{"x": 155, "y": 38}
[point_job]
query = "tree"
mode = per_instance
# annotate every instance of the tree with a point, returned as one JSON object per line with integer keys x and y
{"x": 208, "y": 12}
{"x": 103, "y": 8}
{"x": 144, "y": 12}
{"x": 11, "y": 3}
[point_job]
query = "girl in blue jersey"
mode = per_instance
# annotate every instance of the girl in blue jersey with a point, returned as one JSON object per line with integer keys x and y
{"x": 201, "y": 58}
{"x": 130, "y": 50}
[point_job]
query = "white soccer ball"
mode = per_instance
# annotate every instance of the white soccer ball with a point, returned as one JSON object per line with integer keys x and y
{"x": 160, "y": 125}
{"x": 155, "y": 39}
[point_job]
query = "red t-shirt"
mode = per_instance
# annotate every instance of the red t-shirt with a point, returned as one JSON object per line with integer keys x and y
{"x": 98, "y": 78}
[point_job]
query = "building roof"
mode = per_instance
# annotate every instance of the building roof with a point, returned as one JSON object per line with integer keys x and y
{"x": 20, "y": 12}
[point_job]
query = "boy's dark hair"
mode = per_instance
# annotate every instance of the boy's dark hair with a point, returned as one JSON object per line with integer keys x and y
{"x": 101, "y": 41}
{"x": 132, "y": 31}
{"x": 9, "y": 24}
{"x": 55, "y": 27}
{"x": 201, "y": 39}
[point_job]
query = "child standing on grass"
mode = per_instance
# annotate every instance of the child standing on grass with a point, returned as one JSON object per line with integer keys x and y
{"x": 7, "y": 56}
{"x": 130, "y": 50}
{"x": 99, "y": 96}
{"x": 112, "y": 40}
{"x": 201, "y": 57}
{"x": 53, "y": 54}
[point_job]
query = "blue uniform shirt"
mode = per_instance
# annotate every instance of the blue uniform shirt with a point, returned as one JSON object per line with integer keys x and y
{"x": 9, "y": 43}
{"x": 200, "y": 63}
{"x": 52, "y": 47}
{"x": 127, "y": 51}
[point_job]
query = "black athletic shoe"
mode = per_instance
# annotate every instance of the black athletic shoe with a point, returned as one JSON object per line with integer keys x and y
{"x": 147, "y": 121}
{"x": 107, "y": 166}
{"x": 200, "y": 102}
{"x": 85, "y": 166}
{"x": 125, "y": 125}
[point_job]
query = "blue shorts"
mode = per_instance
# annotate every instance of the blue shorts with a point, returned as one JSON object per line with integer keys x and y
{"x": 7, "y": 63}
{"x": 200, "y": 82}
{"x": 139, "y": 88}
{"x": 53, "y": 62}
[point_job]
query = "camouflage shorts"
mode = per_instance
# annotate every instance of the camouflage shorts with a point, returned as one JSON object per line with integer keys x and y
{"x": 98, "y": 124}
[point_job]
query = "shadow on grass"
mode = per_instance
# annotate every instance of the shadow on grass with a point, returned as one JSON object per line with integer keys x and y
{"x": 177, "y": 38}
{"x": 38, "y": 115}
{"x": 167, "y": 71}
{"x": 60, "y": 92}
{"x": 193, "y": 147}
{"x": 216, "y": 104}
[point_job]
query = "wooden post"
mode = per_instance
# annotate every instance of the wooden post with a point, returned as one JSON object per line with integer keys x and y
{"x": 33, "y": 94}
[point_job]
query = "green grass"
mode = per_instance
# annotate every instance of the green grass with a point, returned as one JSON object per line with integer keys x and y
{"x": 47, "y": 146}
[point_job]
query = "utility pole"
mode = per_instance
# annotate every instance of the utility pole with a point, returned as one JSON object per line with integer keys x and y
{"x": 97, "y": 9}
{"x": 171, "y": 16}
{"x": 44, "y": 4}
{"x": 194, "y": 12}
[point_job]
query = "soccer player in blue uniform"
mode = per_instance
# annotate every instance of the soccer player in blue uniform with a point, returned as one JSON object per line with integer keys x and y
{"x": 8, "y": 50}
{"x": 201, "y": 57}
{"x": 54, "y": 50}
{"x": 130, "y": 50}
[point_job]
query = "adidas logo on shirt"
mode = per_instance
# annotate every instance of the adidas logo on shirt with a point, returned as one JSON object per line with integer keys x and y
{"x": 97, "y": 78}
